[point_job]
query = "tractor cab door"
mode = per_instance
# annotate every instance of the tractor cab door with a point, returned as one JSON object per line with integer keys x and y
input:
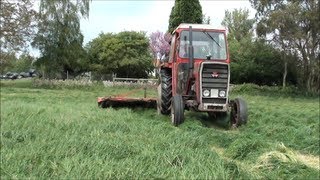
{"x": 180, "y": 68}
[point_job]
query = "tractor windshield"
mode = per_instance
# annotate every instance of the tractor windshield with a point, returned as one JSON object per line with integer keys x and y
{"x": 206, "y": 45}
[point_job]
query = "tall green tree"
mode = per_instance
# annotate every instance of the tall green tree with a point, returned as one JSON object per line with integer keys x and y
{"x": 238, "y": 23}
{"x": 59, "y": 38}
{"x": 17, "y": 25}
{"x": 126, "y": 54}
{"x": 293, "y": 26}
{"x": 183, "y": 11}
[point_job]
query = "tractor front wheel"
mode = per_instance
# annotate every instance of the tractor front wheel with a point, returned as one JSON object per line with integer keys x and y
{"x": 239, "y": 112}
{"x": 177, "y": 110}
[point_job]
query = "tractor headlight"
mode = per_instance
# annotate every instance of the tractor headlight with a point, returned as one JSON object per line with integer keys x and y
{"x": 222, "y": 93}
{"x": 206, "y": 93}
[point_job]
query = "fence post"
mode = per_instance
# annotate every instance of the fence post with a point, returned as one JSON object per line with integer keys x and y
{"x": 145, "y": 91}
{"x": 112, "y": 79}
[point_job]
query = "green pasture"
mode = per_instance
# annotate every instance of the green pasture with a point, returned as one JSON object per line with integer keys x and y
{"x": 61, "y": 133}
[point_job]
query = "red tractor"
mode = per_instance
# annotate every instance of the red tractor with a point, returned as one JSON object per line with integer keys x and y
{"x": 196, "y": 76}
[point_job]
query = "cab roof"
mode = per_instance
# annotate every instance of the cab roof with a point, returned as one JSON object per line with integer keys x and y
{"x": 198, "y": 26}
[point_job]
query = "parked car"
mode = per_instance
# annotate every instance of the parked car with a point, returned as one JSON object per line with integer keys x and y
{"x": 24, "y": 74}
{"x": 13, "y": 76}
{"x": 31, "y": 72}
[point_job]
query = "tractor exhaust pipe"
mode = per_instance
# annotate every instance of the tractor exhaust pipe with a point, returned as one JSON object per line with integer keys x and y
{"x": 191, "y": 59}
{"x": 190, "y": 52}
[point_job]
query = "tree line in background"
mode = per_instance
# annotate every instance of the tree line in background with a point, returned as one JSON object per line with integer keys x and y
{"x": 293, "y": 29}
{"x": 253, "y": 59}
{"x": 280, "y": 46}
{"x": 285, "y": 47}
{"x": 124, "y": 54}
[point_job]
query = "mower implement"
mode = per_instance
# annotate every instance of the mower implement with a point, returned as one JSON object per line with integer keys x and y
{"x": 122, "y": 100}
{"x": 106, "y": 102}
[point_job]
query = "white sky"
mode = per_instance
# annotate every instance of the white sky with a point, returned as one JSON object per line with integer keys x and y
{"x": 144, "y": 15}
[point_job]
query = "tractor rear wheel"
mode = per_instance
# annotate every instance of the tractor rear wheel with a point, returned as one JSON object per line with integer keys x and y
{"x": 177, "y": 110}
{"x": 239, "y": 112}
{"x": 165, "y": 94}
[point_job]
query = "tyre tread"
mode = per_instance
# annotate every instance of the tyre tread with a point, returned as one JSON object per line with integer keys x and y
{"x": 166, "y": 91}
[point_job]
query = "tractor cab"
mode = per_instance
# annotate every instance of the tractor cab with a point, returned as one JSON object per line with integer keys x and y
{"x": 207, "y": 45}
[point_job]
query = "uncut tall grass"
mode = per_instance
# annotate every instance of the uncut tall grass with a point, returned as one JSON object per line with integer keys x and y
{"x": 61, "y": 133}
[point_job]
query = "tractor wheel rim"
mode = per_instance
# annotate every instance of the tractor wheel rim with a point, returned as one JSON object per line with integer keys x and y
{"x": 235, "y": 118}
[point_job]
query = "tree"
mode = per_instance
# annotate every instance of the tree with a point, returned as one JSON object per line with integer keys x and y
{"x": 294, "y": 28}
{"x": 24, "y": 63}
{"x": 126, "y": 54}
{"x": 238, "y": 23}
{"x": 252, "y": 60}
{"x": 10, "y": 63}
{"x": 185, "y": 12}
{"x": 255, "y": 62}
{"x": 7, "y": 61}
{"x": 59, "y": 38}
{"x": 159, "y": 46}
{"x": 17, "y": 25}
{"x": 159, "y": 43}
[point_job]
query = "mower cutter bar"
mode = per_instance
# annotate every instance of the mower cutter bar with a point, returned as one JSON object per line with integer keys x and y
{"x": 105, "y": 102}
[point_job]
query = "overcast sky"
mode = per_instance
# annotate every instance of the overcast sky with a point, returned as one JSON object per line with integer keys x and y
{"x": 146, "y": 15}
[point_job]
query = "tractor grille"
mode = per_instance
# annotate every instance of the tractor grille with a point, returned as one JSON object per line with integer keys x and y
{"x": 215, "y": 76}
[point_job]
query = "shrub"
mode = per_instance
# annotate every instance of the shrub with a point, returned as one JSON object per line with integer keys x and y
{"x": 254, "y": 89}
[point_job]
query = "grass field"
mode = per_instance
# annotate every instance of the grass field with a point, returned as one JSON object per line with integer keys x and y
{"x": 61, "y": 133}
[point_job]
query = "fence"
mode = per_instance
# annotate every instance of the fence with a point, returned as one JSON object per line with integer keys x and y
{"x": 131, "y": 82}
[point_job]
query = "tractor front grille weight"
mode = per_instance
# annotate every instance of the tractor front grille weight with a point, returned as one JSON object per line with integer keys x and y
{"x": 214, "y": 85}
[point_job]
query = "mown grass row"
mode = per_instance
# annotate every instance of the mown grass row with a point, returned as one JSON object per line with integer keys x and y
{"x": 61, "y": 133}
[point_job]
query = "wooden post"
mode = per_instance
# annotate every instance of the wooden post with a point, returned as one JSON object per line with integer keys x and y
{"x": 145, "y": 92}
